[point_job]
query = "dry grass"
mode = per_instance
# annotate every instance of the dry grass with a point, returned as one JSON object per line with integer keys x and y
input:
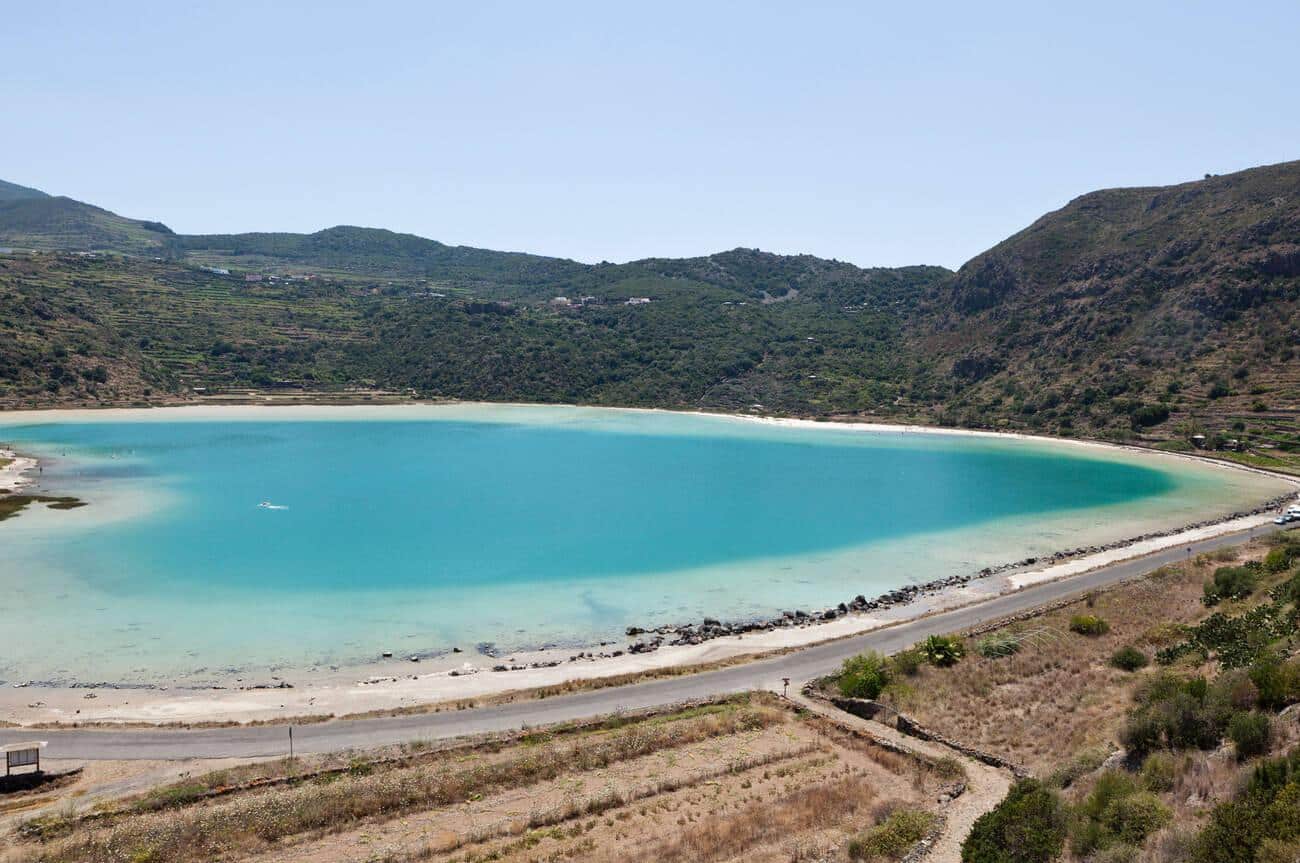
{"x": 1058, "y": 695}
{"x": 748, "y": 778}
{"x": 245, "y": 823}
{"x": 808, "y": 809}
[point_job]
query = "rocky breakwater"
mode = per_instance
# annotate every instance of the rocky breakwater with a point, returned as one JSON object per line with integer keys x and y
{"x": 652, "y": 638}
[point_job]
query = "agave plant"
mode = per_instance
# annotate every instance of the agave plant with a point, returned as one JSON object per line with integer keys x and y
{"x": 943, "y": 650}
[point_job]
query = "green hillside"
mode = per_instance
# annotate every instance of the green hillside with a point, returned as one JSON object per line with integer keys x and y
{"x": 1128, "y": 305}
{"x": 39, "y": 221}
{"x": 15, "y": 192}
{"x": 1143, "y": 314}
{"x": 110, "y": 329}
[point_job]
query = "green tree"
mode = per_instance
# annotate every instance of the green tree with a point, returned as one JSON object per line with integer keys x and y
{"x": 1028, "y": 826}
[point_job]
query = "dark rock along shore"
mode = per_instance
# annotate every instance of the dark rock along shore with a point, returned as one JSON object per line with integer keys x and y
{"x": 710, "y": 628}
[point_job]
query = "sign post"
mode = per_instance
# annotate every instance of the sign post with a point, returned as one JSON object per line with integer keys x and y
{"x": 23, "y": 755}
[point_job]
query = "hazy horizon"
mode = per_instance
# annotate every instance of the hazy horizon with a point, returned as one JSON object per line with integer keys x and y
{"x": 880, "y": 137}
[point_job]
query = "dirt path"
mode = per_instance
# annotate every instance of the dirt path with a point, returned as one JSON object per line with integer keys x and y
{"x": 985, "y": 785}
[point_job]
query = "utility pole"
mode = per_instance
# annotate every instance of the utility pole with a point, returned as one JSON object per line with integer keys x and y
{"x": 290, "y": 742}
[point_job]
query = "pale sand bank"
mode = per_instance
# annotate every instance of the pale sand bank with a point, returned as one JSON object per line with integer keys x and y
{"x": 17, "y": 473}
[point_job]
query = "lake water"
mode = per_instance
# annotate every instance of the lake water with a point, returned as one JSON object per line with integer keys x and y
{"x": 416, "y": 529}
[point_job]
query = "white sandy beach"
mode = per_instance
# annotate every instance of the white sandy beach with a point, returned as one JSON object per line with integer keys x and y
{"x": 398, "y": 683}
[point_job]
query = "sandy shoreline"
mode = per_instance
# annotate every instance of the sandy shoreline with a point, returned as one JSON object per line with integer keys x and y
{"x": 398, "y": 682}
{"x": 16, "y": 474}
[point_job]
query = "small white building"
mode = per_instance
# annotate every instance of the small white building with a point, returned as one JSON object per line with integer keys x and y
{"x": 637, "y": 301}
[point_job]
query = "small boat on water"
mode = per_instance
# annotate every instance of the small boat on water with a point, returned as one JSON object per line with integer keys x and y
{"x": 266, "y": 504}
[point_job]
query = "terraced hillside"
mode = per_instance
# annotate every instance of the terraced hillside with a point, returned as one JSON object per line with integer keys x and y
{"x": 114, "y": 330}
{"x": 743, "y": 779}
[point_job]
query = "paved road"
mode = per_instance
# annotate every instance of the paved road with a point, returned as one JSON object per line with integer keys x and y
{"x": 799, "y": 666}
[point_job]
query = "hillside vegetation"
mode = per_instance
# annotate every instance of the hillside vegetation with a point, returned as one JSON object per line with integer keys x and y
{"x": 1132, "y": 308}
{"x": 29, "y": 218}
{"x": 1149, "y": 313}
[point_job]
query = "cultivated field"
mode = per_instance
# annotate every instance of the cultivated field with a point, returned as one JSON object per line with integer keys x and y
{"x": 749, "y": 778}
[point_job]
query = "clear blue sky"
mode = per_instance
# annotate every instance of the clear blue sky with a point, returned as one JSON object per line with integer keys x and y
{"x": 888, "y": 134}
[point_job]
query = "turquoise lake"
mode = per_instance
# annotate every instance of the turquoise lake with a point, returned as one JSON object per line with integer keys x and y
{"x": 416, "y": 529}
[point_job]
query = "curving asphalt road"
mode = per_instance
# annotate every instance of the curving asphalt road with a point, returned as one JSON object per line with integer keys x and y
{"x": 801, "y": 665}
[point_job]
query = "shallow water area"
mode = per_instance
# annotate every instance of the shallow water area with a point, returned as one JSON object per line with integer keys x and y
{"x": 414, "y": 529}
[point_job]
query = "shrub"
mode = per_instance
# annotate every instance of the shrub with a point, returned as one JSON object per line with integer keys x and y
{"x": 907, "y": 662}
{"x": 1164, "y": 633}
{"x": 943, "y": 650}
{"x": 1250, "y": 733}
{"x": 1116, "y": 854}
{"x": 1149, "y": 415}
{"x": 1177, "y": 713}
{"x": 1129, "y": 658}
{"x": 1230, "y": 582}
{"x": 1160, "y": 772}
{"x": 1132, "y": 819}
{"x": 891, "y": 838}
{"x": 1278, "y": 559}
{"x": 1116, "y": 812}
{"x": 864, "y": 676}
{"x": 1278, "y": 682}
{"x": 997, "y": 645}
{"x": 1268, "y": 808}
{"x": 1028, "y": 826}
{"x": 1081, "y": 765}
{"x": 1278, "y": 851}
{"x": 1236, "y": 690}
{"x": 1288, "y": 591}
{"x": 1089, "y": 624}
{"x": 1191, "y": 724}
{"x": 1110, "y": 786}
{"x": 1142, "y": 733}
